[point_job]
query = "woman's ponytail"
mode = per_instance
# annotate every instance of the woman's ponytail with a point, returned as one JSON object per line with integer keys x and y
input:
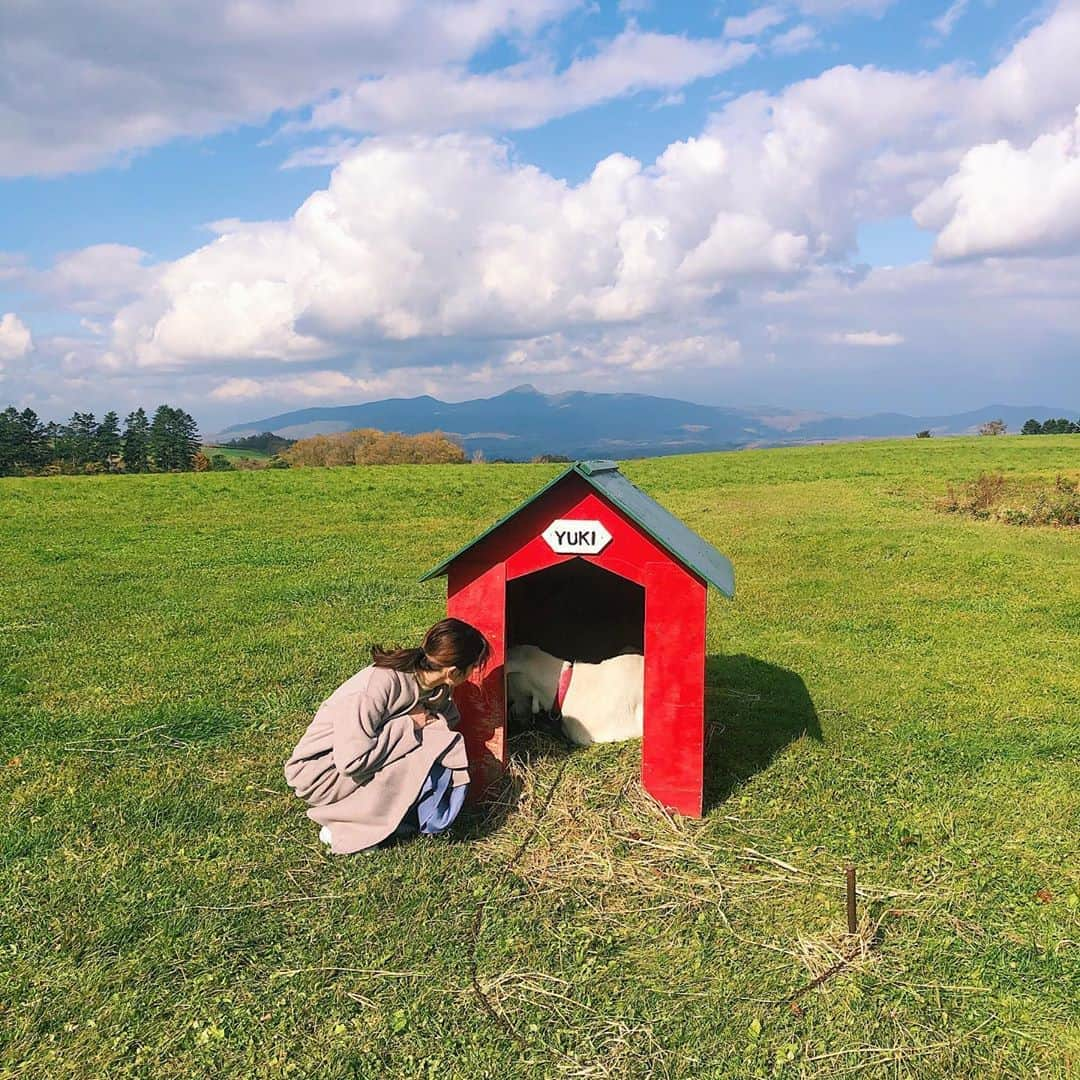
{"x": 450, "y": 643}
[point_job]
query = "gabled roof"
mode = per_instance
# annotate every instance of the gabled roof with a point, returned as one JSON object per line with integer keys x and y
{"x": 666, "y": 529}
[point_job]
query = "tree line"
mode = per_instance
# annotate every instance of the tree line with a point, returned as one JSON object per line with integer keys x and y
{"x": 1059, "y": 426}
{"x": 167, "y": 442}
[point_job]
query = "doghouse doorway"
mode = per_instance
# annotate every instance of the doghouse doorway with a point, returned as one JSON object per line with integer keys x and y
{"x": 577, "y": 611}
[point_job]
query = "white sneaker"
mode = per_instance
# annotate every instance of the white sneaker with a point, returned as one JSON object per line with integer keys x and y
{"x": 324, "y": 835}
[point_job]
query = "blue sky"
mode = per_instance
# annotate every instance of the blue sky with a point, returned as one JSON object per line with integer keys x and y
{"x": 837, "y": 205}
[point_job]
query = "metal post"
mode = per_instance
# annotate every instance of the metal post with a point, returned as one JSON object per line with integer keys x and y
{"x": 852, "y": 922}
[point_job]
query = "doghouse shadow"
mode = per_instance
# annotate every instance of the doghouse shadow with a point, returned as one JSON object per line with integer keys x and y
{"x": 753, "y": 710}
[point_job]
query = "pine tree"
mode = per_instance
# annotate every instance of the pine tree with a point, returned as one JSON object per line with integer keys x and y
{"x": 12, "y": 446}
{"x": 108, "y": 441}
{"x": 187, "y": 439}
{"x": 80, "y": 439}
{"x": 161, "y": 445}
{"x": 136, "y": 441}
{"x": 1031, "y": 427}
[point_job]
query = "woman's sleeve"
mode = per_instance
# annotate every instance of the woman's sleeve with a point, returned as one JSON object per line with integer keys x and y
{"x": 366, "y": 737}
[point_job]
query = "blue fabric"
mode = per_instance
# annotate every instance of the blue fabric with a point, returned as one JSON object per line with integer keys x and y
{"x": 439, "y": 803}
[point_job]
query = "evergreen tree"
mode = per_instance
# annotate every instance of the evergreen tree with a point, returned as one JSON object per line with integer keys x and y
{"x": 78, "y": 441}
{"x": 108, "y": 441}
{"x": 161, "y": 439}
{"x": 12, "y": 445}
{"x": 1031, "y": 427}
{"x": 136, "y": 441}
{"x": 36, "y": 446}
{"x": 174, "y": 439}
{"x": 188, "y": 444}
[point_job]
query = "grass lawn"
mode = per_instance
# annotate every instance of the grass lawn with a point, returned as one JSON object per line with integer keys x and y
{"x": 233, "y": 453}
{"x": 892, "y": 686}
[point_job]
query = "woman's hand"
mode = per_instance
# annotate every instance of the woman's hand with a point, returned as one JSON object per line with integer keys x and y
{"x": 421, "y": 717}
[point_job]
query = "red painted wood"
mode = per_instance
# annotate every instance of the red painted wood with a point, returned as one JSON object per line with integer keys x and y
{"x": 672, "y": 752}
{"x": 476, "y": 593}
{"x": 672, "y": 761}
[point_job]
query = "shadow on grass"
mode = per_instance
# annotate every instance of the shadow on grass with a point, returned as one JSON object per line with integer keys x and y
{"x": 753, "y": 710}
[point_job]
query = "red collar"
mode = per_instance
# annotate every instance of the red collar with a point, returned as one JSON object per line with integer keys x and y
{"x": 564, "y": 685}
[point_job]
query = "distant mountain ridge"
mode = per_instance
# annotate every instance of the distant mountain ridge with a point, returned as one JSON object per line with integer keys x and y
{"x": 523, "y": 422}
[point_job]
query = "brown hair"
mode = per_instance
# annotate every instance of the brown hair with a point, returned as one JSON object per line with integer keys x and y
{"x": 450, "y": 643}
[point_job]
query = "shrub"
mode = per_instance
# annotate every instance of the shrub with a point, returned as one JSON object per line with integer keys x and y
{"x": 220, "y": 463}
{"x": 367, "y": 446}
{"x": 976, "y": 497}
{"x": 924, "y": 434}
{"x": 1059, "y": 506}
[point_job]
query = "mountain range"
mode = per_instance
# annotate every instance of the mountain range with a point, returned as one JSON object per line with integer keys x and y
{"x": 523, "y": 423}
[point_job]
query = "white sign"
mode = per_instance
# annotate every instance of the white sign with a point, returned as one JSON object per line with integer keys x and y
{"x": 572, "y": 537}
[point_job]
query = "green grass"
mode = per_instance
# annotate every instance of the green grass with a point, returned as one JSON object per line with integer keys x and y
{"x": 892, "y": 686}
{"x": 233, "y": 453}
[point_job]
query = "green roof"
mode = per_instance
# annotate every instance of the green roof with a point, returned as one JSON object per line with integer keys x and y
{"x": 667, "y": 530}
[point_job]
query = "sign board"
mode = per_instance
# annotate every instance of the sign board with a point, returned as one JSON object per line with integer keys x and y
{"x": 568, "y": 536}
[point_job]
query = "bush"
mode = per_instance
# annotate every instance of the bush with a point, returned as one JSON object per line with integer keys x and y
{"x": 924, "y": 434}
{"x": 220, "y": 463}
{"x": 367, "y": 446}
{"x": 1059, "y": 506}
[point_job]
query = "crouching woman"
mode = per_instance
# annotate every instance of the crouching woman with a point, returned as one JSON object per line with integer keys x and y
{"x": 382, "y": 758}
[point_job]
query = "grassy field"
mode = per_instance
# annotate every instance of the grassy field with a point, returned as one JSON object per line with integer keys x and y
{"x": 233, "y": 453}
{"x": 892, "y": 686}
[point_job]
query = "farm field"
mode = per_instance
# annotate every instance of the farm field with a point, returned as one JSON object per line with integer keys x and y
{"x": 892, "y": 686}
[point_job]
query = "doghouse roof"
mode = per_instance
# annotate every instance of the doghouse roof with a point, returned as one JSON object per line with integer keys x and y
{"x": 666, "y": 529}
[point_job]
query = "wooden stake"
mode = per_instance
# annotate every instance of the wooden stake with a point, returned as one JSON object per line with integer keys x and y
{"x": 852, "y": 921}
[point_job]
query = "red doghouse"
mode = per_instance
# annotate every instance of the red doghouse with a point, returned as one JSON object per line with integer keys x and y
{"x": 588, "y": 567}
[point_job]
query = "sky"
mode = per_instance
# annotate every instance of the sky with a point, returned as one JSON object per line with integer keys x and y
{"x": 241, "y": 207}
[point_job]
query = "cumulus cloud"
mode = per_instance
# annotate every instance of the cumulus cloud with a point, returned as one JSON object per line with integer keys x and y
{"x": 15, "y": 339}
{"x": 527, "y": 94}
{"x": 96, "y": 280}
{"x": 439, "y": 237}
{"x": 84, "y": 81}
{"x": 421, "y": 238}
{"x": 1003, "y": 200}
{"x": 449, "y": 247}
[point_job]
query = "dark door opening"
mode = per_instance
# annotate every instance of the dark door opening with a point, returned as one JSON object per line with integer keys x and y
{"x": 577, "y": 611}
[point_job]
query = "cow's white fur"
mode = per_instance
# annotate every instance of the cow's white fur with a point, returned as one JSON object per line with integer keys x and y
{"x": 603, "y": 703}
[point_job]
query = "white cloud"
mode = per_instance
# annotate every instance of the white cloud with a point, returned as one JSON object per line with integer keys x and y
{"x": 945, "y": 23}
{"x": 448, "y": 247}
{"x": 447, "y": 237}
{"x": 754, "y": 23}
{"x": 871, "y": 338}
{"x": 84, "y": 81}
{"x": 650, "y": 352}
{"x": 1008, "y": 201}
{"x": 15, "y": 339}
{"x": 798, "y": 39}
{"x": 530, "y": 93}
{"x": 825, "y": 8}
{"x": 320, "y": 385}
{"x": 96, "y": 280}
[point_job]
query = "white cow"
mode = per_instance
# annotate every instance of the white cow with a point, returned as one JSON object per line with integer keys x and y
{"x": 602, "y": 702}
